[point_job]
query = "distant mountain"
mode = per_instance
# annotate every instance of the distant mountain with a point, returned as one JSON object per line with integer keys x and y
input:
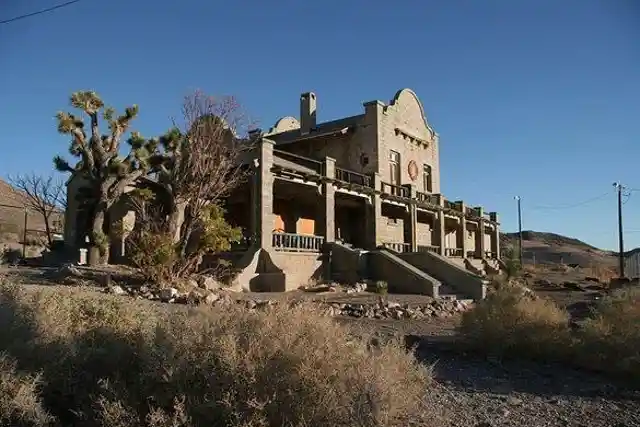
{"x": 552, "y": 248}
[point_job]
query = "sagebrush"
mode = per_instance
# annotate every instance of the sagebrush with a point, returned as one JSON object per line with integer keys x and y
{"x": 76, "y": 358}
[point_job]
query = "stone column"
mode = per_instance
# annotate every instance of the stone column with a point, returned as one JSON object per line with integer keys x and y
{"x": 328, "y": 192}
{"x": 440, "y": 224}
{"x": 374, "y": 214}
{"x": 463, "y": 228}
{"x": 413, "y": 218}
{"x": 265, "y": 191}
{"x": 480, "y": 234}
{"x": 495, "y": 238}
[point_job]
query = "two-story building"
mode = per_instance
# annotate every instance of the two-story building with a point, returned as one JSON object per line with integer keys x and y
{"x": 365, "y": 182}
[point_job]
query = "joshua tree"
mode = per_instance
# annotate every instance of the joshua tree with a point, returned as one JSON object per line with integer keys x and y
{"x": 106, "y": 172}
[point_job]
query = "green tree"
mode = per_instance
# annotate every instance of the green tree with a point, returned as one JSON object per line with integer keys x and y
{"x": 100, "y": 164}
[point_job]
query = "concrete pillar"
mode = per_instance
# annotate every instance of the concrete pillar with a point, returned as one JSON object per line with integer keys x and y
{"x": 413, "y": 218}
{"x": 480, "y": 235}
{"x": 374, "y": 214}
{"x": 463, "y": 229}
{"x": 495, "y": 238}
{"x": 440, "y": 224}
{"x": 328, "y": 192}
{"x": 265, "y": 190}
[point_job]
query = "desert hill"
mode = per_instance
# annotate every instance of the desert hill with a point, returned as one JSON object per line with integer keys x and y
{"x": 552, "y": 248}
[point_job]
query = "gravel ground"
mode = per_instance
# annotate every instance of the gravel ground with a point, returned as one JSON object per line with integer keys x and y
{"x": 472, "y": 390}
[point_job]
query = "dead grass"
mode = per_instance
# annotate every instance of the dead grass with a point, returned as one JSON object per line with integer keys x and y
{"x": 611, "y": 336}
{"x": 513, "y": 322}
{"x": 97, "y": 360}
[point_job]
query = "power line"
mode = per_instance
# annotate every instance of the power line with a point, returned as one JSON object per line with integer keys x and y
{"x": 575, "y": 205}
{"x": 50, "y": 9}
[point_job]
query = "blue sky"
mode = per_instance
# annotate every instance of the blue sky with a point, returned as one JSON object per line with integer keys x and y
{"x": 530, "y": 98}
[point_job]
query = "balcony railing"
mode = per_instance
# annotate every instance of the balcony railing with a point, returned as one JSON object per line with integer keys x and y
{"x": 312, "y": 164}
{"x": 452, "y": 205}
{"x": 489, "y": 254}
{"x": 351, "y": 177}
{"x": 397, "y": 247}
{"x": 453, "y": 252}
{"x": 431, "y": 199}
{"x": 474, "y": 212}
{"x": 471, "y": 254}
{"x": 291, "y": 242}
{"x": 429, "y": 248}
{"x": 395, "y": 190}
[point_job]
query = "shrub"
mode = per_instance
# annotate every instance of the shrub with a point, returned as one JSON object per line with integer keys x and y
{"x": 610, "y": 338}
{"x": 20, "y": 403}
{"x": 161, "y": 259}
{"x": 512, "y": 321}
{"x": 381, "y": 287}
{"x": 110, "y": 361}
{"x": 10, "y": 255}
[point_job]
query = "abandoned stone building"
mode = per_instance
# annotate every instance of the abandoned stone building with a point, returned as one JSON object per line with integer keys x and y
{"x": 352, "y": 199}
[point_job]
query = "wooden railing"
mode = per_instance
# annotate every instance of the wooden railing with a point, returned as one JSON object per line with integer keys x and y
{"x": 429, "y": 248}
{"x": 453, "y": 252}
{"x": 398, "y": 247}
{"x": 351, "y": 177}
{"x": 315, "y": 165}
{"x": 291, "y": 242}
{"x": 431, "y": 199}
{"x": 395, "y": 190}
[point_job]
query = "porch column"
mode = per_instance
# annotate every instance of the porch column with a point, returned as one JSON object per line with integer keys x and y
{"x": 413, "y": 218}
{"x": 463, "y": 228}
{"x": 265, "y": 190}
{"x": 374, "y": 214}
{"x": 495, "y": 238}
{"x": 329, "y": 192}
{"x": 440, "y": 224}
{"x": 480, "y": 235}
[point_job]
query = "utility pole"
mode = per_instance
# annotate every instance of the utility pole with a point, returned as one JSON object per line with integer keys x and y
{"x": 519, "y": 230}
{"x": 619, "y": 187}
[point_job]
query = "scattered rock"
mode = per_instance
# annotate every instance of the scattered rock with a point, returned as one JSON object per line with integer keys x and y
{"x": 168, "y": 294}
{"x": 358, "y": 287}
{"x": 116, "y": 290}
{"x": 208, "y": 283}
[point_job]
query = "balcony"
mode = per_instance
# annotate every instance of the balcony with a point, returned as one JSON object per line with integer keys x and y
{"x": 428, "y": 199}
{"x": 290, "y": 242}
{"x": 472, "y": 212}
{"x": 452, "y": 206}
{"x": 294, "y": 162}
{"x": 395, "y": 190}
{"x": 353, "y": 178}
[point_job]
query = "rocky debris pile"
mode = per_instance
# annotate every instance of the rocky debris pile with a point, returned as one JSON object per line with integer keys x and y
{"x": 381, "y": 310}
{"x": 392, "y": 310}
{"x": 357, "y": 288}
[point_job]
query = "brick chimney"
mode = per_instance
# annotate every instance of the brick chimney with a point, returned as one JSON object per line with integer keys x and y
{"x": 307, "y": 112}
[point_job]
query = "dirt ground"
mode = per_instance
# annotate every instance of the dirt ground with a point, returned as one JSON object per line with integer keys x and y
{"x": 482, "y": 392}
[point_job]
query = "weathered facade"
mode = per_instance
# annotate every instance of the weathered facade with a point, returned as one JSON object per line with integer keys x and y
{"x": 357, "y": 198}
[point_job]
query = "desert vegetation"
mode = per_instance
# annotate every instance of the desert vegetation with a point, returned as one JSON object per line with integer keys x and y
{"x": 514, "y": 322}
{"x": 76, "y": 358}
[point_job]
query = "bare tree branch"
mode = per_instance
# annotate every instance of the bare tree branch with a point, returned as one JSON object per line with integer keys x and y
{"x": 45, "y": 195}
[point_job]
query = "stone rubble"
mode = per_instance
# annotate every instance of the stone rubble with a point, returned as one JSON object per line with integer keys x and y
{"x": 382, "y": 309}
